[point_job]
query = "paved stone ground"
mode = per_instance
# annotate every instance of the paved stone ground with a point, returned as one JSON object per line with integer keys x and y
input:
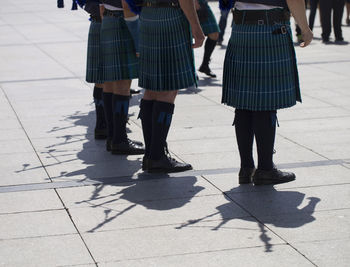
{"x": 64, "y": 201}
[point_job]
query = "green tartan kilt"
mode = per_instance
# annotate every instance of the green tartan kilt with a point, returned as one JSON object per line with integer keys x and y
{"x": 118, "y": 50}
{"x": 166, "y": 55}
{"x": 208, "y": 24}
{"x": 94, "y": 62}
{"x": 260, "y": 71}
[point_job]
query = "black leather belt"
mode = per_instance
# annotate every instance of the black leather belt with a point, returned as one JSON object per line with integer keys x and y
{"x": 261, "y": 17}
{"x": 113, "y": 13}
{"x": 95, "y": 18}
{"x": 161, "y": 4}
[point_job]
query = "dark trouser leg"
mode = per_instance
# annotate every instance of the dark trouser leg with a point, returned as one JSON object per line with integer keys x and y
{"x": 313, "y": 9}
{"x": 338, "y": 10}
{"x": 100, "y": 127}
{"x": 245, "y": 136}
{"x": 325, "y": 11}
{"x": 108, "y": 109}
{"x": 222, "y": 24}
{"x": 146, "y": 116}
{"x": 264, "y": 126}
{"x": 161, "y": 120}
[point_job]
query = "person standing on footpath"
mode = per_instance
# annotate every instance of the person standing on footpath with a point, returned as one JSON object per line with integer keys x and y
{"x": 326, "y": 8}
{"x": 166, "y": 65}
{"x": 211, "y": 30}
{"x": 260, "y": 76}
{"x": 120, "y": 66}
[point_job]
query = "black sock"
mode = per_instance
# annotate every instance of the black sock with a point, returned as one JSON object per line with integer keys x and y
{"x": 208, "y": 50}
{"x": 161, "y": 120}
{"x": 264, "y": 125}
{"x": 245, "y": 136}
{"x": 146, "y": 111}
{"x": 108, "y": 109}
{"x": 100, "y": 115}
{"x": 120, "y": 117}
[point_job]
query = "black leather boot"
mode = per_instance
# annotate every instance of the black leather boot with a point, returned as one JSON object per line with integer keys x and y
{"x": 271, "y": 177}
{"x": 100, "y": 127}
{"x": 160, "y": 160}
{"x": 120, "y": 142}
{"x": 146, "y": 111}
{"x": 208, "y": 51}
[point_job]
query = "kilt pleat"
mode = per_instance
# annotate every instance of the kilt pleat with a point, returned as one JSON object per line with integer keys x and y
{"x": 260, "y": 71}
{"x": 209, "y": 24}
{"x": 118, "y": 50}
{"x": 166, "y": 55}
{"x": 94, "y": 59}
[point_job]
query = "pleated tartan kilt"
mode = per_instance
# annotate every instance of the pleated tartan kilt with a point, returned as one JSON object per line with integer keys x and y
{"x": 260, "y": 71}
{"x": 118, "y": 50}
{"x": 166, "y": 55}
{"x": 94, "y": 60}
{"x": 209, "y": 25}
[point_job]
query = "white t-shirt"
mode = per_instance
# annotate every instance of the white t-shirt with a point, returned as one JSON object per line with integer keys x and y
{"x": 252, "y": 6}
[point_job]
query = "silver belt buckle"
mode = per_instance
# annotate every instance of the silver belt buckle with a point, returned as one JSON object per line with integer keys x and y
{"x": 260, "y": 22}
{"x": 284, "y": 30}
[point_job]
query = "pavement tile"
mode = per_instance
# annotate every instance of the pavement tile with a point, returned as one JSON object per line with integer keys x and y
{"x": 29, "y": 201}
{"x": 44, "y": 251}
{"x": 293, "y": 200}
{"x": 21, "y": 168}
{"x": 137, "y": 191}
{"x": 326, "y": 253}
{"x": 182, "y": 212}
{"x": 230, "y": 257}
{"x": 304, "y": 227}
{"x": 200, "y": 237}
{"x": 27, "y": 62}
{"x": 25, "y": 225}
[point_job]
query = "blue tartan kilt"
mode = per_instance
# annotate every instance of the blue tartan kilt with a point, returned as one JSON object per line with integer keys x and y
{"x": 118, "y": 50}
{"x": 208, "y": 24}
{"x": 94, "y": 59}
{"x": 260, "y": 71}
{"x": 166, "y": 55}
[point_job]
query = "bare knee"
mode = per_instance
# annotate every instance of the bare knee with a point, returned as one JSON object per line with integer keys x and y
{"x": 214, "y": 36}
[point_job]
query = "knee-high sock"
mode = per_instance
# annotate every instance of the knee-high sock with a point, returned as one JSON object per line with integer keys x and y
{"x": 208, "y": 50}
{"x": 245, "y": 136}
{"x": 161, "y": 120}
{"x": 100, "y": 115}
{"x": 120, "y": 117}
{"x": 146, "y": 111}
{"x": 108, "y": 109}
{"x": 264, "y": 125}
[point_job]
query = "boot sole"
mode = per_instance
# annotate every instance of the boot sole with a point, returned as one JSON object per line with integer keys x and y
{"x": 117, "y": 152}
{"x": 272, "y": 182}
{"x": 168, "y": 170}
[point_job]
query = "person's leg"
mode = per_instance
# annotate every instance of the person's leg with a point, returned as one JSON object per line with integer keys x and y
{"x": 325, "y": 12}
{"x": 120, "y": 106}
{"x": 156, "y": 125}
{"x": 209, "y": 46}
{"x": 222, "y": 25}
{"x": 245, "y": 137}
{"x": 107, "y": 97}
{"x": 313, "y": 9}
{"x": 347, "y": 12}
{"x": 264, "y": 126}
{"x": 338, "y": 10}
{"x": 100, "y": 127}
